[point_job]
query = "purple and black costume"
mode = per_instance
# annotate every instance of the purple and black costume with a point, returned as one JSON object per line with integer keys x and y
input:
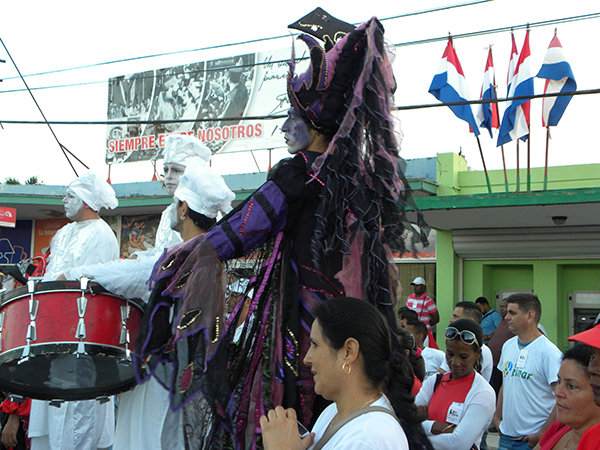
{"x": 322, "y": 226}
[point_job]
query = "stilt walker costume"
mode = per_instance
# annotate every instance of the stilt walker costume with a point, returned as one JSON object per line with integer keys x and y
{"x": 322, "y": 226}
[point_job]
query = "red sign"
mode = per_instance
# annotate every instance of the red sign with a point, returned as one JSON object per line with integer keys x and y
{"x": 8, "y": 217}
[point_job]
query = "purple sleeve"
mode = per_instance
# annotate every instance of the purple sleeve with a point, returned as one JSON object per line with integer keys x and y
{"x": 261, "y": 218}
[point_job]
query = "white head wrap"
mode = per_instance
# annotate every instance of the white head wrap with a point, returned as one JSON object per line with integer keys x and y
{"x": 179, "y": 147}
{"x": 204, "y": 191}
{"x": 94, "y": 191}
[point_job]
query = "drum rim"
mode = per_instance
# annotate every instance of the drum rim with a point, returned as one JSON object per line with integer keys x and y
{"x": 33, "y": 345}
{"x": 44, "y": 287}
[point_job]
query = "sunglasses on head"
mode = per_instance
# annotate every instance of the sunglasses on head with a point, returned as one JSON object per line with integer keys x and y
{"x": 466, "y": 336}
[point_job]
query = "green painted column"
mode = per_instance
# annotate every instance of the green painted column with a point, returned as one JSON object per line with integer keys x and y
{"x": 545, "y": 286}
{"x": 449, "y": 165}
{"x": 446, "y": 281}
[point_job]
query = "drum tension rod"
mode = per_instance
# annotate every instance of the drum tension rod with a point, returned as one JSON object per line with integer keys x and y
{"x": 125, "y": 311}
{"x": 81, "y": 307}
{"x": 31, "y": 329}
{"x": 1, "y": 326}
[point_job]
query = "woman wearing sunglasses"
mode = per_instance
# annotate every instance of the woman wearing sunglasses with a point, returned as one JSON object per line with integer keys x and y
{"x": 459, "y": 404}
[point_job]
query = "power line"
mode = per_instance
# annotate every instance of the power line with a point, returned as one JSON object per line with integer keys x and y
{"x": 64, "y": 149}
{"x": 402, "y": 44}
{"x": 252, "y": 41}
{"x": 503, "y": 29}
{"x": 281, "y": 116}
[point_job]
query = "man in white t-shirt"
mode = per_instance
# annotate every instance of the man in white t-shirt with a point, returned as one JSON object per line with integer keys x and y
{"x": 434, "y": 358}
{"x": 529, "y": 364}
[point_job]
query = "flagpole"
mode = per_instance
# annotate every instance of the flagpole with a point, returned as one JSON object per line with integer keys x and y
{"x": 487, "y": 177}
{"x": 502, "y": 146}
{"x": 529, "y": 162}
{"x": 518, "y": 173}
{"x": 504, "y": 164}
{"x": 546, "y": 166}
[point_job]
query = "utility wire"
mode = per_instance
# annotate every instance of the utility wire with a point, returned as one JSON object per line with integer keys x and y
{"x": 252, "y": 41}
{"x": 281, "y": 116}
{"x": 551, "y": 22}
{"x": 503, "y": 29}
{"x": 62, "y": 147}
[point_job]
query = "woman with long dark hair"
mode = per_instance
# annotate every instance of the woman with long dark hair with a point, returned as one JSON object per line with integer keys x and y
{"x": 353, "y": 365}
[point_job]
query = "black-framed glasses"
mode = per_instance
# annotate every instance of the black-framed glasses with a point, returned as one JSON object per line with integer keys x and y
{"x": 466, "y": 336}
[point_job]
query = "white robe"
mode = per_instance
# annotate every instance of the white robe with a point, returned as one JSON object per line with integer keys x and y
{"x": 129, "y": 277}
{"x": 82, "y": 425}
{"x": 144, "y": 419}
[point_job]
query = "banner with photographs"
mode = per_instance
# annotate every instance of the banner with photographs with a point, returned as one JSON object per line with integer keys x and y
{"x": 207, "y": 99}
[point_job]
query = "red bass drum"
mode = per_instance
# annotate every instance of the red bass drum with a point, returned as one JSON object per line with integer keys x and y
{"x": 67, "y": 340}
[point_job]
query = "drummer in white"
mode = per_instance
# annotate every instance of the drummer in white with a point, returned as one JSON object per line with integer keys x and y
{"x": 81, "y": 425}
{"x": 180, "y": 150}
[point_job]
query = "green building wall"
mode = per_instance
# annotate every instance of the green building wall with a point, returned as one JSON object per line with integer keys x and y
{"x": 550, "y": 279}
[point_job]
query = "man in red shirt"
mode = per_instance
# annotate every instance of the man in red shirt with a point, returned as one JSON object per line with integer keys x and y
{"x": 422, "y": 304}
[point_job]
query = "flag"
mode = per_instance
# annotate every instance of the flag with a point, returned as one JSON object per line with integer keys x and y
{"x": 515, "y": 122}
{"x": 512, "y": 64}
{"x": 449, "y": 85}
{"x": 487, "y": 113}
{"x": 559, "y": 78}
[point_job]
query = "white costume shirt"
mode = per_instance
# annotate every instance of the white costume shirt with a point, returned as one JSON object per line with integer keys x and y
{"x": 434, "y": 359}
{"x": 527, "y": 375}
{"x": 474, "y": 416}
{"x": 84, "y": 425}
{"x": 144, "y": 419}
{"x": 129, "y": 277}
{"x": 375, "y": 430}
{"x": 487, "y": 363}
{"x": 79, "y": 243}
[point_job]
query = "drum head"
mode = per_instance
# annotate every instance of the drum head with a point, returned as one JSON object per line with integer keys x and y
{"x": 55, "y": 372}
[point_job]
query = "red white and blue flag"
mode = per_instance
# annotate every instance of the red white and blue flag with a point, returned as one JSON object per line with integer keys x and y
{"x": 487, "y": 113}
{"x": 449, "y": 85}
{"x": 515, "y": 122}
{"x": 512, "y": 63}
{"x": 559, "y": 78}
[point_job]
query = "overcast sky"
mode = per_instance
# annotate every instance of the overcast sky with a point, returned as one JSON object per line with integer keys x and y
{"x": 45, "y": 36}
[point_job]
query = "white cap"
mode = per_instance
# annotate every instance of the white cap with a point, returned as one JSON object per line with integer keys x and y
{"x": 94, "y": 191}
{"x": 204, "y": 191}
{"x": 180, "y": 147}
{"x": 419, "y": 280}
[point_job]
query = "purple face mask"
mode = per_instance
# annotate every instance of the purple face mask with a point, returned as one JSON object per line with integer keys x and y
{"x": 296, "y": 133}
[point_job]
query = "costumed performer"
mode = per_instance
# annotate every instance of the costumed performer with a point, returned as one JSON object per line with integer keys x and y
{"x": 81, "y": 425}
{"x": 144, "y": 419}
{"x": 129, "y": 277}
{"x": 322, "y": 226}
